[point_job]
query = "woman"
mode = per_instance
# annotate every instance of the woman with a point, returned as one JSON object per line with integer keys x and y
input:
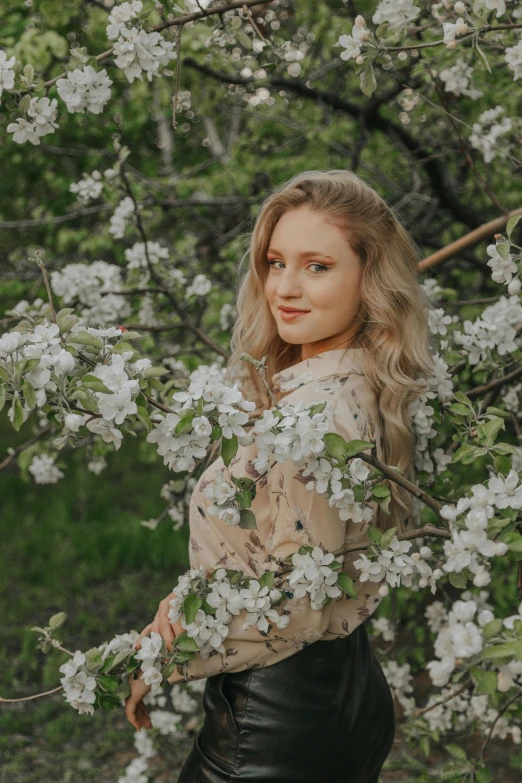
{"x": 332, "y": 300}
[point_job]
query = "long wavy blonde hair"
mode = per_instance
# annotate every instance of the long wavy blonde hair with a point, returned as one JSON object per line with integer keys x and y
{"x": 391, "y": 325}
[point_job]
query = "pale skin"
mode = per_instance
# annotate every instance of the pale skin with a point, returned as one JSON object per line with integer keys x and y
{"x": 326, "y": 284}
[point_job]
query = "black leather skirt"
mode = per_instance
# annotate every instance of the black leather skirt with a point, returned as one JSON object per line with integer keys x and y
{"x": 324, "y": 713}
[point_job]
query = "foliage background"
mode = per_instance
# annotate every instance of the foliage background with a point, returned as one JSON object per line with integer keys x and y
{"x": 79, "y": 547}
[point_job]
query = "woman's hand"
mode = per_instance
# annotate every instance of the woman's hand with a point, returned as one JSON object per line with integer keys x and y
{"x": 134, "y": 707}
{"x": 162, "y": 625}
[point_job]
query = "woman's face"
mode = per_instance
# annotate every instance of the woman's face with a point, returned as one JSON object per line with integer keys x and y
{"x": 312, "y": 268}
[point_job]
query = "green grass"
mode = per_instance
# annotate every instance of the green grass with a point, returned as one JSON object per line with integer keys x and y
{"x": 77, "y": 547}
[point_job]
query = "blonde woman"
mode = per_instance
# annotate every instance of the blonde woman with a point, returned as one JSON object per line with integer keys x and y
{"x": 332, "y": 300}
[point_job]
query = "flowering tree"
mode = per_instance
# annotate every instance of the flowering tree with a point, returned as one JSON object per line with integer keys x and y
{"x": 91, "y": 361}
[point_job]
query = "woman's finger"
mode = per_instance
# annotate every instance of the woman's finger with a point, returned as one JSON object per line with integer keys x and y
{"x": 145, "y": 632}
{"x": 166, "y": 629}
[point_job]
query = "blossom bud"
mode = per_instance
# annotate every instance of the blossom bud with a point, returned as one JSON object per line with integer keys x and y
{"x": 359, "y": 59}
{"x": 514, "y": 286}
{"x": 460, "y": 8}
{"x": 384, "y": 590}
{"x": 425, "y": 552}
{"x": 73, "y": 421}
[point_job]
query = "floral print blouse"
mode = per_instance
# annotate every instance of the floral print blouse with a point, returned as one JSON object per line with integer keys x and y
{"x": 289, "y": 516}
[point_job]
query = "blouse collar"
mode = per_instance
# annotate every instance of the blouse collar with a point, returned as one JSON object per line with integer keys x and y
{"x": 319, "y": 366}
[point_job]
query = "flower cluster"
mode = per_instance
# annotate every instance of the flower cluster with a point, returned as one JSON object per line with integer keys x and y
{"x": 88, "y": 188}
{"x": 94, "y": 286}
{"x": 120, "y": 217}
{"x": 136, "y": 51}
{"x": 85, "y": 88}
{"x": 137, "y": 257}
{"x": 469, "y": 546}
{"x": 79, "y": 686}
{"x": 394, "y": 564}
{"x": 186, "y": 434}
{"x": 43, "y": 112}
{"x": 314, "y": 575}
{"x": 7, "y": 74}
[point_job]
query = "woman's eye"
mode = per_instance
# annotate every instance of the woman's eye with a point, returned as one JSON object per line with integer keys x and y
{"x": 322, "y": 267}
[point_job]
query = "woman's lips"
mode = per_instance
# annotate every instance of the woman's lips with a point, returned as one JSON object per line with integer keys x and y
{"x": 291, "y": 315}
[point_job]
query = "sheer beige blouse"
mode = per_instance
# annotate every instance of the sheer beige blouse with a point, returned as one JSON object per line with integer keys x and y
{"x": 289, "y": 516}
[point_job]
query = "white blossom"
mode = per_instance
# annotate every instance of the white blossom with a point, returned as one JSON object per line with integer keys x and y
{"x": 44, "y": 470}
{"x": 120, "y": 217}
{"x": 398, "y": 13}
{"x": 88, "y": 188}
{"x": 7, "y": 75}
{"x": 200, "y": 286}
{"x": 451, "y": 30}
{"x": 137, "y": 51}
{"x": 85, "y": 88}
{"x": 513, "y": 57}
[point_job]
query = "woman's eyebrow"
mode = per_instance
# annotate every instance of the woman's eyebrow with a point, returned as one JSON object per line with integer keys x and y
{"x": 304, "y": 254}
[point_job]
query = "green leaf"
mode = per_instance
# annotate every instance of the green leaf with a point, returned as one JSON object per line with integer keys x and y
{"x": 168, "y": 669}
{"x": 374, "y": 534}
{"x": 29, "y": 394}
{"x": 66, "y": 320}
{"x": 131, "y": 664}
{"x": 123, "y": 690}
{"x": 500, "y": 651}
{"x": 57, "y": 620}
{"x": 229, "y": 447}
{"x": 132, "y": 335}
{"x": 460, "y": 410}
{"x": 154, "y": 372}
{"x": 468, "y": 454}
{"x": 93, "y": 659}
{"x": 107, "y": 701}
{"x": 484, "y": 58}
{"x": 346, "y": 584}
{"x": 243, "y": 39}
{"x": 191, "y": 604}
{"x": 120, "y": 657}
{"x": 96, "y": 386}
{"x": 3, "y": 395}
{"x": 512, "y": 222}
{"x": 461, "y": 397}
{"x": 498, "y": 412}
{"x": 492, "y": 628}
{"x": 368, "y": 81}
{"x": 185, "y": 423}
{"x": 335, "y": 445}
{"x": 483, "y": 775}
{"x": 356, "y": 446}
{"x": 487, "y": 432}
{"x": 247, "y": 519}
{"x": 456, "y": 751}
{"x": 267, "y": 580}
{"x": 514, "y": 541}
{"x": 108, "y": 664}
{"x": 186, "y": 643}
{"x": 182, "y": 656}
{"x": 17, "y": 413}
{"x": 80, "y": 337}
{"x": 459, "y": 580}
{"x": 486, "y": 681}
{"x": 387, "y": 537}
{"x": 108, "y": 683}
{"x": 143, "y": 416}
{"x": 380, "y": 492}
{"x": 244, "y": 498}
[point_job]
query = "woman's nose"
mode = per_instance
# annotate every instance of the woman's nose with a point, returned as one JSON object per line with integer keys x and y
{"x": 288, "y": 284}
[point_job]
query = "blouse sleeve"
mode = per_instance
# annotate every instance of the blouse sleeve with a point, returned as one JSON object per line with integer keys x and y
{"x": 300, "y": 516}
